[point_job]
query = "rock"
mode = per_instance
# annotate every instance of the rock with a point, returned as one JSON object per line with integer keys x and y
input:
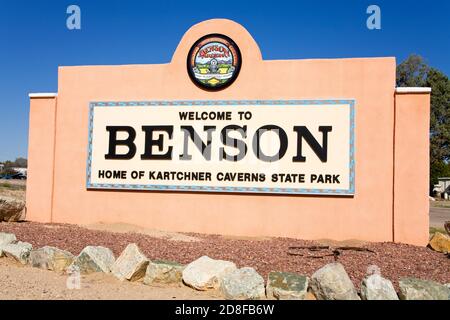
{"x": 310, "y": 296}
{"x": 19, "y": 251}
{"x": 93, "y": 259}
{"x": 417, "y": 289}
{"x": 440, "y": 242}
{"x": 287, "y": 286}
{"x": 206, "y": 273}
{"x": 166, "y": 272}
{"x": 131, "y": 265}
{"x": 332, "y": 282}
{"x": 6, "y": 238}
{"x": 11, "y": 209}
{"x": 51, "y": 258}
{"x": 243, "y": 284}
{"x": 375, "y": 287}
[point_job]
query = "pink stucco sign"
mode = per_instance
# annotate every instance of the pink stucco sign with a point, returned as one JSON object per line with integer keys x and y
{"x": 221, "y": 141}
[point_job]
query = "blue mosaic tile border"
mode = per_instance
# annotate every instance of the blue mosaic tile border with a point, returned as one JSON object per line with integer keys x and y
{"x": 304, "y": 191}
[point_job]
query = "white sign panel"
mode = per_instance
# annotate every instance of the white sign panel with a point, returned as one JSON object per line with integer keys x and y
{"x": 288, "y": 147}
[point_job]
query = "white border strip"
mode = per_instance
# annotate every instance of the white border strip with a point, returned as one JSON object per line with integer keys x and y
{"x": 43, "y": 95}
{"x": 412, "y": 90}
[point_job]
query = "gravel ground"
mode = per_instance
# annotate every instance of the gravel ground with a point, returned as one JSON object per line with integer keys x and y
{"x": 393, "y": 260}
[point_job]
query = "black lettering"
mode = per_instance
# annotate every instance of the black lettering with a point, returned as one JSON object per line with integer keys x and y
{"x": 114, "y": 142}
{"x": 204, "y": 148}
{"x": 232, "y": 142}
{"x": 320, "y": 150}
{"x": 159, "y": 142}
{"x": 283, "y": 143}
{"x": 183, "y": 115}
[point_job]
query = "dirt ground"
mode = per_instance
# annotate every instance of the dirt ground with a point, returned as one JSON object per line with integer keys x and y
{"x": 129, "y": 228}
{"x": 19, "y": 282}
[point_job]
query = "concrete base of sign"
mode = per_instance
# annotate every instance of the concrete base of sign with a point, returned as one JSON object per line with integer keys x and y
{"x": 390, "y": 201}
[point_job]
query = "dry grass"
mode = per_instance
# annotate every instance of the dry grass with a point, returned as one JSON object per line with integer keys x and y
{"x": 440, "y": 204}
{"x": 13, "y": 189}
{"x": 433, "y": 230}
{"x": 11, "y": 186}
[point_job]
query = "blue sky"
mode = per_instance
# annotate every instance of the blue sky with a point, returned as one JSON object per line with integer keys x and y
{"x": 34, "y": 39}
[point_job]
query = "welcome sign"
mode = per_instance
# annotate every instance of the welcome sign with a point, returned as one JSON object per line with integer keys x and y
{"x": 289, "y": 147}
{"x": 241, "y": 163}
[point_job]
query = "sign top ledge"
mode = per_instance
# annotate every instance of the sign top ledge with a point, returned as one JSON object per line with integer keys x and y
{"x": 42, "y": 95}
{"x": 412, "y": 90}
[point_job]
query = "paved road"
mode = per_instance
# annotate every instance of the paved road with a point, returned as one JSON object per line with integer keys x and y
{"x": 438, "y": 216}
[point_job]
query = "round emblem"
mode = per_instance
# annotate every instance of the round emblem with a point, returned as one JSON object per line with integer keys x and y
{"x": 214, "y": 62}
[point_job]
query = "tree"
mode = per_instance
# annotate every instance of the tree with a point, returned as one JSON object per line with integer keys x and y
{"x": 414, "y": 72}
{"x": 438, "y": 170}
{"x": 8, "y": 164}
{"x": 21, "y": 162}
{"x": 439, "y": 117}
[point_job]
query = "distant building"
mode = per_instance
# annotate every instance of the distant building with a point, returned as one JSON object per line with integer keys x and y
{"x": 442, "y": 187}
{"x": 2, "y": 166}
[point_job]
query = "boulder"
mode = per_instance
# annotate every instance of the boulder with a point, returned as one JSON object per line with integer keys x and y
{"x": 287, "y": 286}
{"x": 6, "y": 238}
{"x": 206, "y": 273}
{"x": 440, "y": 242}
{"x": 243, "y": 284}
{"x": 131, "y": 264}
{"x": 11, "y": 209}
{"x": 19, "y": 251}
{"x": 332, "y": 282}
{"x": 93, "y": 259}
{"x": 51, "y": 258}
{"x": 166, "y": 272}
{"x": 375, "y": 287}
{"x": 417, "y": 289}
